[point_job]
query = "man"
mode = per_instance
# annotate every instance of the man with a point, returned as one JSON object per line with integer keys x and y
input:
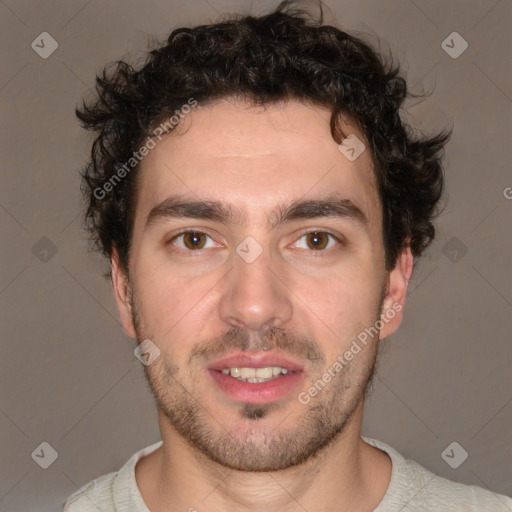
{"x": 262, "y": 204}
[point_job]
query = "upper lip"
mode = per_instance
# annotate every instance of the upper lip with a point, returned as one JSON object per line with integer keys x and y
{"x": 255, "y": 360}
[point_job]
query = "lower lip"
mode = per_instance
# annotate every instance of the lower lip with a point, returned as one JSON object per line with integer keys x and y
{"x": 259, "y": 392}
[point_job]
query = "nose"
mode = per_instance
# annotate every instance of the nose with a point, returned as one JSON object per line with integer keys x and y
{"x": 255, "y": 296}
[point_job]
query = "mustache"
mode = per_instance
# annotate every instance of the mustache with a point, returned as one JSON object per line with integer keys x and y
{"x": 271, "y": 339}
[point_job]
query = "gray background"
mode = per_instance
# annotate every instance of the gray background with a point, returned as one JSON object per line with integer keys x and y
{"x": 68, "y": 374}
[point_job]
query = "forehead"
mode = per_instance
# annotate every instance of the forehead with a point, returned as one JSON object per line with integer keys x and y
{"x": 247, "y": 156}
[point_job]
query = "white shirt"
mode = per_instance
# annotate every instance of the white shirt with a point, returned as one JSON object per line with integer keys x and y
{"x": 412, "y": 488}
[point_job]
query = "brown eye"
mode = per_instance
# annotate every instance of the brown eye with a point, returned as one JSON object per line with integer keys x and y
{"x": 194, "y": 240}
{"x": 190, "y": 241}
{"x": 317, "y": 240}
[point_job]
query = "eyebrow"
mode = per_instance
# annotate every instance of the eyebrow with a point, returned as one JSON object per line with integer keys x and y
{"x": 175, "y": 207}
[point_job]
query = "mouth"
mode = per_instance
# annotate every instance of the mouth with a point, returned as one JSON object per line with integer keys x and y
{"x": 257, "y": 378}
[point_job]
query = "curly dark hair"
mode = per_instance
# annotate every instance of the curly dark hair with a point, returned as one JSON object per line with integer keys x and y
{"x": 285, "y": 55}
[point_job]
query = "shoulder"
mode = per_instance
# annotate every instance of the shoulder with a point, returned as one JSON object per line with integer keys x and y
{"x": 111, "y": 492}
{"x": 447, "y": 495}
{"x": 93, "y": 496}
{"x": 414, "y": 488}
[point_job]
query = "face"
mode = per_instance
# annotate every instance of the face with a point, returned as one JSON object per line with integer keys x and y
{"x": 258, "y": 244}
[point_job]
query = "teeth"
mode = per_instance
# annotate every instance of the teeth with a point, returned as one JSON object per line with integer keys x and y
{"x": 255, "y": 375}
{"x": 247, "y": 373}
{"x": 264, "y": 373}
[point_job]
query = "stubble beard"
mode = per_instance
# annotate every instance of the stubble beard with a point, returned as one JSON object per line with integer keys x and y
{"x": 254, "y": 447}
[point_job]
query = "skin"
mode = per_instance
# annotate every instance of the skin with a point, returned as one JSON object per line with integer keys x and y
{"x": 219, "y": 454}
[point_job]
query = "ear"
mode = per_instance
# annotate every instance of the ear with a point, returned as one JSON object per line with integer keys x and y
{"x": 396, "y": 290}
{"x": 122, "y": 294}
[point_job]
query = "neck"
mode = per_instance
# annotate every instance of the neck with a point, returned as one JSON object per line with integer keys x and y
{"x": 347, "y": 475}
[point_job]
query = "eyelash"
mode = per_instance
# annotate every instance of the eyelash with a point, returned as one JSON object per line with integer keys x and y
{"x": 185, "y": 231}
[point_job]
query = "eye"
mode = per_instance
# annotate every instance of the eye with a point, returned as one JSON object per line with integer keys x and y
{"x": 192, "y": 240}
{"x": 317, "y": 241}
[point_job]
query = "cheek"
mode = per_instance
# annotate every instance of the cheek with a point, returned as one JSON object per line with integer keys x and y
{"x": 339, "y": 303}
{"x": 355, "y": 307}
{"x": 343, "y": 305}
{"x": 173, "y": 305}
